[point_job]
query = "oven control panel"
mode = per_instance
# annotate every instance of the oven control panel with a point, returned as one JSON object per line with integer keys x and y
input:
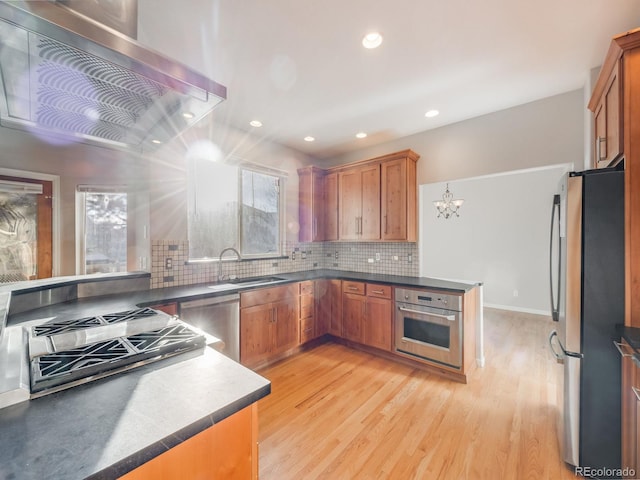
{"x": 429, "y": 298}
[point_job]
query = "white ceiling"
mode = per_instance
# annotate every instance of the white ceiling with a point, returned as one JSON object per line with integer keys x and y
{"x": 299, "y": 67}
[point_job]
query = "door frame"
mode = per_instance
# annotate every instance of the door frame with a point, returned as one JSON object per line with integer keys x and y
{"x": 55, "y": 209}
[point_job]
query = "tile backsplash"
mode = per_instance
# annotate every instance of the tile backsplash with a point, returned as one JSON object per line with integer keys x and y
{"x": 169, "y": 267}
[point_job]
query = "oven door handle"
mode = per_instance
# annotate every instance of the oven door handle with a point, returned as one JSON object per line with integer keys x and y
{"x": 451, "y": 318}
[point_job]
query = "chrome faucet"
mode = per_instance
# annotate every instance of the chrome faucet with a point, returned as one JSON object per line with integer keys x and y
{"x": 220, "y": 260}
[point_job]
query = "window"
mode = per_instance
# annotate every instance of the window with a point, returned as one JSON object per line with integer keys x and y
{"x": 103, "y": 239}
{"x": 231, "y": 206}
{"x": 25, "y": 229}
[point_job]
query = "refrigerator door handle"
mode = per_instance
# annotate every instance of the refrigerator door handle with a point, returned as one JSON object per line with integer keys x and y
{"x": 559, "y": 358}
{"x": 555, "y": 295}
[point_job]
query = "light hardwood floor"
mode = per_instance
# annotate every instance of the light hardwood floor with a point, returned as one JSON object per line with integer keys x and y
{"x": 338, "y": 413}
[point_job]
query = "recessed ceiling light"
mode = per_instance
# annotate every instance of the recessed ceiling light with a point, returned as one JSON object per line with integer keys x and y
{"x": 361, "y": 135}
{"x": 188, "y": 115}
{"x": 372, "y": 40}
{"x": 156, "y": 141}
{"x": 255, "y": 123}
{"x": 309, "y": 139}
{"x": 432, "y": 113}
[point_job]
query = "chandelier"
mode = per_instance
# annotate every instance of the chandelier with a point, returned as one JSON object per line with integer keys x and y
{"x": 448, "y": 206}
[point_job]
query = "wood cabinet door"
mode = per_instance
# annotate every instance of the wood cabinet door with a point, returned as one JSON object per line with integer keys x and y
{"x": 394, "y": 200}
{"x": 318, "y": 203}
{"x": 352, "y": 315}
{"x": 322, "y": 299}
{"x": 370, "y": 216}
{"x": 377, "y": 323}
{"x": 335, "y": 324}
{"x": 613, "y": 105}
{"x": 285, "y": 324}
{"x": 331, "y": 207}
{"x": 255, "y": 333}
{"x": 350, "y": 208}
{"x": 311, "y": 204}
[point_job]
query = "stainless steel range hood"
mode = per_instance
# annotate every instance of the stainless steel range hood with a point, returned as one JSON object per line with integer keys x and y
{"x": 65, "y": 75}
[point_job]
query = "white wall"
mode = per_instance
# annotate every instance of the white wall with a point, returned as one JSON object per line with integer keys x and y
{"x": 501, "y": 237}
{"x": 544, "y": 132}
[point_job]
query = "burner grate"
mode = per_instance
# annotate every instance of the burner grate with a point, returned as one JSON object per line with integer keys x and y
{"x": 53, "y": 328}
{"x": 162, "y": 339}
{"x": 129, "y": 315}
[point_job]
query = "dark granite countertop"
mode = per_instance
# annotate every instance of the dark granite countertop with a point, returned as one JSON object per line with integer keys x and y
{"x": 103, "y": 429}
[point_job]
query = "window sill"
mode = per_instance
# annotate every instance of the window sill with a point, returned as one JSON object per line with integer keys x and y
{"x": 206, "y": 261}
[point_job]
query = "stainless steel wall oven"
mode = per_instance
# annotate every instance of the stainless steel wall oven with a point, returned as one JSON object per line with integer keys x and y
{"x": 428, "y": 325}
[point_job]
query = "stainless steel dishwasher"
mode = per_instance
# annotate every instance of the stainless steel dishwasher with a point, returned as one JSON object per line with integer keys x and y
{"x": 217, "y": 316}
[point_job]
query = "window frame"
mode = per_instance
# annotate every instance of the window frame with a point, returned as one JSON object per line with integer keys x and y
{"x": 81, "y": 224}
{"x": 281, "y": 177}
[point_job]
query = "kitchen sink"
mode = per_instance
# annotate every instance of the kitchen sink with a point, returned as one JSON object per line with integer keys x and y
{"x": 249, "y": 282}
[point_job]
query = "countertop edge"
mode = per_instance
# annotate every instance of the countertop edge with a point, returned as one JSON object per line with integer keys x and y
{"x": 151, "y": 452}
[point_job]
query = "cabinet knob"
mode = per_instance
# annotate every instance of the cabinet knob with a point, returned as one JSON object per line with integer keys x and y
{"x": 599, "y": 142}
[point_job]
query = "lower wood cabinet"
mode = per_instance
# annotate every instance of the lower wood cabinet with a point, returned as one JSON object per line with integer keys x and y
{"x": 367, "y": 314}
{"x": 307, "y": 311}
{"x": 378, "y": 318}
{"x": 228, "y": 449}
{"x": 171, "y": 308}
{"x": 269, "y": 323}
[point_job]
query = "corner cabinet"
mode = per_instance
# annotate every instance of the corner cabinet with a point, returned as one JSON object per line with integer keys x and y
{"x": 370, "y": 200}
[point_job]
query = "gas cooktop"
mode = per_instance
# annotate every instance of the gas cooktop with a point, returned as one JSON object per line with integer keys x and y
{"x": 70, "y": 352}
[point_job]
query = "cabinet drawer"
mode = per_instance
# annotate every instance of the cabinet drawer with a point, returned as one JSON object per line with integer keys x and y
{"x": 306, "y": 311}
{"x": 306, "y": 330}
{"x": 306, "y": 288}
{"x": 261, "y": 296}
{"x": 380, "y": 291}
{"x": 357, "y": 288}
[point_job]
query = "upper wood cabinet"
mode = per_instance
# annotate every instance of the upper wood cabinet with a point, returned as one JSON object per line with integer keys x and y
{"x": 607, "y": 111}
{"x": 311, "y": 204}
{"x": 359, "y": 198}
{"x": 399, "y": 198}
{"x": 374, "y": 199}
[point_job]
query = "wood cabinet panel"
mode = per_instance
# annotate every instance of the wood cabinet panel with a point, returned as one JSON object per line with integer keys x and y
{"x": 169, "y": 308}
{"x": 399, "y": 200}
{"x": 335, "y": 325}
{"x": 255, "y": 333}
{"x": 331, "y": 231}
{"x": 378, "y": 323}
{"x": 370, "y": 203}
{"x": 263, "y": 296}
{"x": 349, "y": 286}
{"x": 608, "y": 122}
{"x": 311, "y": 204}
{"x": 378, "y": 290}
{"x": 350, "y": 188}
{"x": 228, "y": 449}
{"x": 353, "y": 306}
{"x": 286, "y": 325}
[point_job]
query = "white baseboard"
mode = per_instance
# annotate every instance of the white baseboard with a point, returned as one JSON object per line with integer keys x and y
{"x": 533, "y": 311}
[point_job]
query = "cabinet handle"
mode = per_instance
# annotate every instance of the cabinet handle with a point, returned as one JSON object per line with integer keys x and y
{"x": 275, "y": 314}
{"x": 351, "y": 287}
{"x": 385, "y": 224}
{"x": 379, "y": 292}
{"x": 599, "y": 148}
{"x": 314, "y": 228}
{"x": 636, "y": 392}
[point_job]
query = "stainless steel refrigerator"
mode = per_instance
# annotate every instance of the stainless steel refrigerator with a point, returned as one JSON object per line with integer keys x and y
{"x": 587, "y": 297}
